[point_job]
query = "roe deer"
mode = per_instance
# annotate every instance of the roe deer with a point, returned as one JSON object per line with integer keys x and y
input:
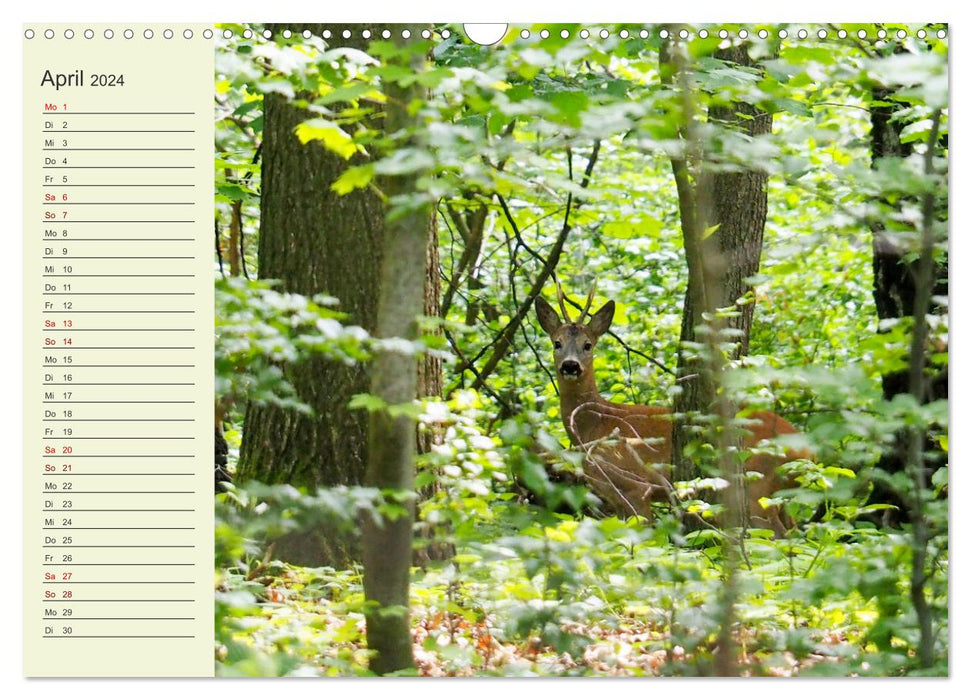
{"x": 628, "y": 447}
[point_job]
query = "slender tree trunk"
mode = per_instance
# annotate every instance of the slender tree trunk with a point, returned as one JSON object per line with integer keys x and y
{"x": 394, "y": 379}
{"x": 895, "y": 289}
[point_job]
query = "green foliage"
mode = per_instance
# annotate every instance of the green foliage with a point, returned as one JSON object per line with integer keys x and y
{"x": 258, "y": 329}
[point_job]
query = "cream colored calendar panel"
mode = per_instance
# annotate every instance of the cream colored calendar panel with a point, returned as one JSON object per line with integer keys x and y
{"x": 118, "y": 350}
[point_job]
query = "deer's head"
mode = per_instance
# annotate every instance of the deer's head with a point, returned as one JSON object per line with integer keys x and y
{"x": 574, "y": 340}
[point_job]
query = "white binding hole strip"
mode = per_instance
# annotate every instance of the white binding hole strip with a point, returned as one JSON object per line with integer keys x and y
{"x": 366, "y": 33}
{"x": 822, "y": 34}
{"x": 267, "y": 34}
{"x": 227, "y": 34}
{"x": 584, "y": 33}
{"x": 921, "y": 33}
{"x": 564, "y": 33}
{"x": 89, "y": 34}
{"x": 683, "y": 34}
{"x": 802, "y": 34}
{"x": 49, "y": 33}
{"x": 386, "y": 34}
{"x": 346, "y": 33}
{"x": 624, "y": 33}
{"x": 783, "y": 33}
{"x": 604, "y": 33}
{"x": 941, "y": 34}
{"x": 663, "y": 33}
{"x": 841, "y": 33}
{"x": 247, "y": 34}
{"x": 405, "y": 33}
{"x": 723, "y": 33}
{"x": 187, "y": 34}
{"x": 446, "y": 33}
{"x": 68, "y": 33}
{"x": 861, "y": 34}
{"x": 644, "y": 34}
{"x": 523, "y": 34}
{"x": 129, "y": 34}
{"x": 306, "y": 34}
{"x": 763, "y": 34}
{"x": 29, "y": 34}
{"x": 703, "y": 33}
{"x": 544, "y": 34}
{"x": 168, "y": 34}
{"x": 901, "y": 34}
{"x": 426, "y": 33}
{"x": 148, "y": 34}
{"x": 109, "y": 34}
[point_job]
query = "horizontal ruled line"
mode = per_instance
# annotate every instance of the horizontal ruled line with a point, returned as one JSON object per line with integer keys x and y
{"x": 73, "y": 564}
{"x": 121, "y": 600}
{"x": 119, "y": 546}
{"x": 119, "y": 167}
{"x": 115, "y": 437}
{"x": 74, "y": 527}
{"x": 115, "y": 114}
{"x": 118, "y": 636}
{"x": 74, "y": 474}
{"x": 73, "y": 240}
{"x": 126, "y": 311}
{"x": 124, "y": 583}
{"x": 104, "y": 401}
{"x": 118, "y": 131}
{"x": 131, "y": 184}
{"x": 115, "y": 330}
{"x": 143, "y": 456}
{"x": 118, "y": 383}
{"x": 118, "y": 149}
{"x": 120, "y": 221}
{"x": 119, "y": 294}
{"x": 119, "y": 366}
{"x": 112, "y": 204}
{"x": 118, "y": 257}
{"x": 119, "y": 420}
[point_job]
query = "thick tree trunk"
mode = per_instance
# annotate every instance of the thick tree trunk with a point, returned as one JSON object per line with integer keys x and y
{"x": 315, "y": 241}
{"x": 736, "y": 202}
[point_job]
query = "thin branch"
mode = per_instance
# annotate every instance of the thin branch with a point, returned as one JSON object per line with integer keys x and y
{"x": 503, "y": 341}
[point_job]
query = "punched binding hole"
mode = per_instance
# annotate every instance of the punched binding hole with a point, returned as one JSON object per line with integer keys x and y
{"x": 485, "y": 34}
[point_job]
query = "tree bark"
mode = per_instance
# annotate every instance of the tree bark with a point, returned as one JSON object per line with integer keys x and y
{"x": 895, "y": 290}
{"x": 737, "y": 203}
{"x": 315, "y": 241}
{"x": 394, "y": 379}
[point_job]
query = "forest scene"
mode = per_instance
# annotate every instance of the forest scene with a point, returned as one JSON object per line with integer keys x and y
{"x": 615, "y": 350}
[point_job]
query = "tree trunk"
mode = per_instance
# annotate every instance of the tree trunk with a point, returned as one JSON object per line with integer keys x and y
{"x": 394, "y": 379}
{"x": 315, "y": 241}
{"x": 895, "y": 275}
{"x": 737, "y": 203}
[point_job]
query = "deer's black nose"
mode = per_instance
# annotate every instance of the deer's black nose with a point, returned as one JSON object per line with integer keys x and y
{"x": 570, "y": 368}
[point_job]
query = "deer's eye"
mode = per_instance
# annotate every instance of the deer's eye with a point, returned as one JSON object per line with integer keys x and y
{"x": 557, "y": 344}
{"x": 587, "y": 346}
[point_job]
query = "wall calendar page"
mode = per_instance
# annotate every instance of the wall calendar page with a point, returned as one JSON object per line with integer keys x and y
{"x": 473, "y": 350}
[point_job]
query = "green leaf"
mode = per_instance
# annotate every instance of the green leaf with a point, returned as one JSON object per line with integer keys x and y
{"x": 331, "y": 136}
{"x": 353, "y": 178}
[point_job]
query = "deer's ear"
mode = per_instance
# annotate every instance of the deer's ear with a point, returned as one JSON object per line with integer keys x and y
{"x": 547, "y": 316}
{"x": 600, "y": 321}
